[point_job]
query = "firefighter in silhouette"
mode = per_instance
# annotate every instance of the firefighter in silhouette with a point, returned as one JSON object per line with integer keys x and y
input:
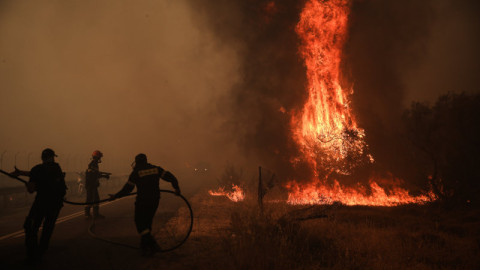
{"x": 145, "y": 177}
{"x": 48, "y": 180}
{"x": 92, "y": 176}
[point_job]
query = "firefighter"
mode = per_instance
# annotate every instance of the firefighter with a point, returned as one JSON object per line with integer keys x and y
{"x": 145, "y": 177}
{"x": 92, "y": 176}
{"x": 48, "y": 180}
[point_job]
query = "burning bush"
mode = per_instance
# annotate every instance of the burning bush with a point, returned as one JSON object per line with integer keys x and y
{"x": 231, "y": 184}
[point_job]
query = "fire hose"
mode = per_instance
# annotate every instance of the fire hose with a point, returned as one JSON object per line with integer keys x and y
{"x": 90, "y": 229}
{"x": 92, "y": 234}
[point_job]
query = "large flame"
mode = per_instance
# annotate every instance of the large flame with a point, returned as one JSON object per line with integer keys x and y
{"x": 237, "y": 194}
{"x": 325, "y": 130}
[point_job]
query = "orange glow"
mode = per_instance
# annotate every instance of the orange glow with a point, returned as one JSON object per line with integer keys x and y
{"x": 318, "y": 193}
{"x": 269, "y": 10}
{"x": 237, "y": 194}
{"x": 325, "y": 130}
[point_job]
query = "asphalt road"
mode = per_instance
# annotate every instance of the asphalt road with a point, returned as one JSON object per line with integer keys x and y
{"x": 72, "y": 247}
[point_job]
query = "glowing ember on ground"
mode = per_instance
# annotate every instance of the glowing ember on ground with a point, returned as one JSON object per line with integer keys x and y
{"x": 325, "y": 130}
{"x": 236, "y": 195}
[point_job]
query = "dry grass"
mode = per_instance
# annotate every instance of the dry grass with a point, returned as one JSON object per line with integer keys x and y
{"x": 407, "y": 237}
{"x": 229, "y": 235}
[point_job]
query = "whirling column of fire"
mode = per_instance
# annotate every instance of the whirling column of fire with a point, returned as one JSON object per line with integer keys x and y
{"x": 325, "y": 129}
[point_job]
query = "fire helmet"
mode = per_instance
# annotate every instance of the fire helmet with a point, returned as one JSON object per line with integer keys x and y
{"x": 141, "y": 159}
{"x": 97, "y": 154}
{"x": 47, "y": 152}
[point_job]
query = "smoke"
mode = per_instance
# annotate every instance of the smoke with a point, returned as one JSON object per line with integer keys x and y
{"x": 404, "y": 51}
{"x": 450, "y": 63}
{"x": 123, "y": 77}
{"x": 272, "y": 75}
{"x": 191, "y": 81}
{"x": 394, "y": 54}
{"x": 386, "y": 38}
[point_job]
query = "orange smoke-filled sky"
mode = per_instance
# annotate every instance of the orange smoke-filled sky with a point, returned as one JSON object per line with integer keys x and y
{"x": 120, "y": 76}
{"x": 151, "y": 76}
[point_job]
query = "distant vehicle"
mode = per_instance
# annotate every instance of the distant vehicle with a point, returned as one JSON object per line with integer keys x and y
{"x": 201, "y": 167}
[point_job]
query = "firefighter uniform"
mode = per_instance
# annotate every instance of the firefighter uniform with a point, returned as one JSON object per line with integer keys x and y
{"x": 145, "y": 177}
{"x": 92, "y": 176}
{"x": 48, "y": 180}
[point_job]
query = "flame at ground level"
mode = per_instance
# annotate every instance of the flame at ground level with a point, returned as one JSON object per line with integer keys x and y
{"x": 318, "y": 192}
{"x": 237, "y": 194}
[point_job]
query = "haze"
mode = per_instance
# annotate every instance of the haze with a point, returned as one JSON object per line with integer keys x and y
{"x": 122, "y": 77}
{"x": 191, "y": 82}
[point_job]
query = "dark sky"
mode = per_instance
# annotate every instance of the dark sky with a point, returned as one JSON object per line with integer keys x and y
{"x": 195, "y": 81}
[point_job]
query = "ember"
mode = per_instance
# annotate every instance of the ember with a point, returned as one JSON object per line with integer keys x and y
{"x": 236, "y": 195}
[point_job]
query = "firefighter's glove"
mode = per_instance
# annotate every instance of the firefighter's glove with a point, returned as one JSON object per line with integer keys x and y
{"x": 16, "y": 172}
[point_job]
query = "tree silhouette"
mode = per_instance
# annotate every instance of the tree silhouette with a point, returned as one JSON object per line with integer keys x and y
{"x": 446, "y": 145}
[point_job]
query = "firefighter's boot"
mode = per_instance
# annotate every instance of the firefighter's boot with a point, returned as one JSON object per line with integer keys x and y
{"x": 146, "y": 245}
{"x": 96, "y": 214}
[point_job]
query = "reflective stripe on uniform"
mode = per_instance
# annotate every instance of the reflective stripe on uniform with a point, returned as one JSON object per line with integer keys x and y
{"x": 152, "y": 171}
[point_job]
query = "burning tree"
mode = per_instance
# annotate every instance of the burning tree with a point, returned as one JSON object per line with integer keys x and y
{"x": 310, "y": 138}
{"x": 325, "y": 130}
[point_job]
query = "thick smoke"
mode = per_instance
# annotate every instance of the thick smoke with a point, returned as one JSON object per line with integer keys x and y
{"x": 386, "y": 38}
{"x": 404, "y": 51}
{"x": 272, "y": 75}
{"x": 394, "y": 54}
{"x": 387, "y": 54}
{"x": 124, "y": 77}
{"x": 188, "y": 81}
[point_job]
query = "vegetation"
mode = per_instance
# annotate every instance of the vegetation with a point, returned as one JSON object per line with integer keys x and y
{"x": 406, "y": 237}
{"x": 446, "y": 146}
{"x": 231, "y": 176}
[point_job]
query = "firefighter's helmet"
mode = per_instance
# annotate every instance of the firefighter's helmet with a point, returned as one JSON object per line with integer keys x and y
{"x": 97, "y": 154}
{"x": 46, "y": 153}
{"x": 141, "y": 159}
